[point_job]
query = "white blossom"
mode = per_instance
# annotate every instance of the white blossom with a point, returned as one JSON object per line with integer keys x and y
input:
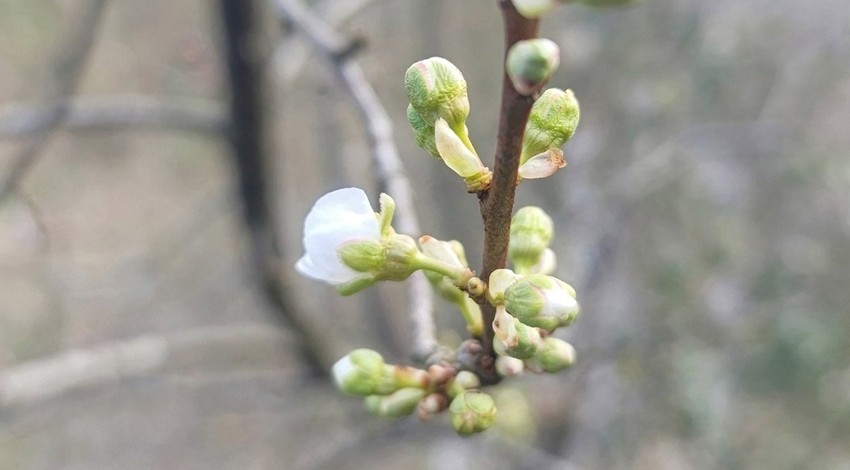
{"x": 337, "y": 218}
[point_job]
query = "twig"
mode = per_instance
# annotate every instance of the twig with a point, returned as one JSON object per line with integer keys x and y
{"x": 497, "y": 203}
{"x": 107, "y": 113}
{"x": 388, "y": 164}
{"x": 242, "y": 29}
{"x": 291, "y": 54}
{"x": 61, "y": 81}
{"x": 109, "y": 363}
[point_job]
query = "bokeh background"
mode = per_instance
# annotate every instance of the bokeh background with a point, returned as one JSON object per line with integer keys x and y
{"x": 704, "y": 218}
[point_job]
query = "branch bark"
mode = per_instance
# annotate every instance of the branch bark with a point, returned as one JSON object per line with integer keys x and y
{"x": 388, "y": 164}
{"x": 497, "y": 203}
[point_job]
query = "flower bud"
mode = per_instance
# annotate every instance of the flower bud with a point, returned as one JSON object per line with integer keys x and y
{"x": 555, "y": 355}
{"x": 472, "y": 412}
{"x": 531, "y": 232}
{"x": 507, "y": 366}
{"x": 464, "y": 380}
{"x": 499, "y": 281}
{"x": 432, "y": 404}
{"x": 402, "y": 402}
{"x": 533, "y": 9}
{"x": 363, "y": 372}
{"x": 436, "y": 89}
{"x": 542, "y": 301}
{"x": 552, "y": 121}
{"x": 530, "y": 64}
{"x": 547, "y": 264}
{"x": 512, "y": 337}
{"x": 423, "y": 131}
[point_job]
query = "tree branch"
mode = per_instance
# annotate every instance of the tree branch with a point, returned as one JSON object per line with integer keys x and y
{"x": 388, "y": 164}
{"x": 242, "y": 29}
{"x": 497, "y": 203}
{"x": 61, "y": 82}
{"x": 108, "y": 113}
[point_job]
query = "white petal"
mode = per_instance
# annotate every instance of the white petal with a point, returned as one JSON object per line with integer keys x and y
{"x": 558, "y": 303}
{"x": 338, "y": 217}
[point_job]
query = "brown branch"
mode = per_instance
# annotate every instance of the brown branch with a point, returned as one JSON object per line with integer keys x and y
{"x": 388, "y": 164}
{"x": 497, "y": 203}
{"x": 66, "y": 68}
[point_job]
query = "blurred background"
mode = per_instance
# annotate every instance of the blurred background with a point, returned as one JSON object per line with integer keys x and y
{"x": 704, "y": 218}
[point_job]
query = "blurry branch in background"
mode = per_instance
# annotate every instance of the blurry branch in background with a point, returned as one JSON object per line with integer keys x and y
{"x": 61, "y": 81}
{"x": 243, "y": 59}
{"x": 291, "y": 54}
{"x": 116, "y": 112}
{"x": 179, "y": 353}
{"x": 388, "y": 165}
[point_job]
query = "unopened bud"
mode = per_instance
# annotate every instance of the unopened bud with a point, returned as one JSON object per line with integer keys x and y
{"x": 432, "y": 404}
{"x": 499, "y": 281}
{"x": 423, "y": 131}
{"x": 472, "y": 412}
{"x": 547, "y": 264}
{"x": 402, "y": 402}
{"x": 555, "y": 355}
{"x": 542, "y": 301}
{"x": 512, "y": 337}
{"x": 533, "y": 9}
{"x": 363, "y": 372}
{"x": 464, "y": 380}
{"x": 530, "y": 64}
{"x": 507, "y": 366}
{"x": 531, "y": 232}
{"x": 552, "y": 121}
{"x": 436, "y": 89}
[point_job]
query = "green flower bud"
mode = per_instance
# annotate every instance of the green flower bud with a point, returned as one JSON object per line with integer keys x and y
{"x": 436, "y": 89}
{"x": 531, "y": 232}
{"x": 547, "y": 264}
{"x": 402, "y": 402}
{"x": 552, "y": 121}
{"x": 530, "y": 64}
{"x": 542, "y": 301}
{"x": 499, "y": 281}
{"x": 423, "y": 131}
{"x": 363, "y": 372}
{"x": 555, "y": 355}
{"x": 464, "y": 380}
{"x": 472, "y": 412}
{"x": 513, "y": 338}
{"x": 533, "y": 9}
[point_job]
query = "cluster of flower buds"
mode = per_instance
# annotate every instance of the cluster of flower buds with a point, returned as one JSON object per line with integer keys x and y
{"x": 393, "y": 391}
{"x": 531, "y": 304}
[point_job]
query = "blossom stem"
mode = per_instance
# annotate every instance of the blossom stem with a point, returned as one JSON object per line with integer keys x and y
{"x": 458, "y": 274}
{"x": 472, "y": 316}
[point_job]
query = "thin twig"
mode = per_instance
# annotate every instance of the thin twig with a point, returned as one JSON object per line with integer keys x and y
{"x": 109, "y": 363}
{"x": 61, "y": 82}
{"x": 388, "y": 165}
{"x": 497, "y": 203}
{"x": 291, "y": 55}
{"x": 113, "y": 112}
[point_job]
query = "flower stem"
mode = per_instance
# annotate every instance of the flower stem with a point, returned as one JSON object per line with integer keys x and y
{"x": 472, "y": 315}
{"x": 458, "y": 274}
